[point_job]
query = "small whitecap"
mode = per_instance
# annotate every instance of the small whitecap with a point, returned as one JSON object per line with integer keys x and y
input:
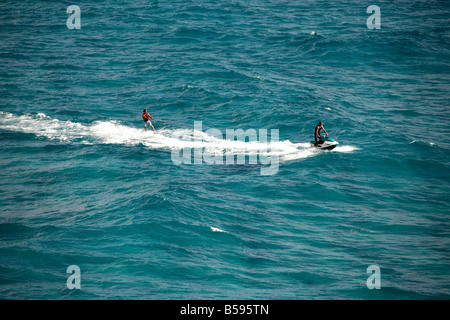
{"x": 217, "y": 229}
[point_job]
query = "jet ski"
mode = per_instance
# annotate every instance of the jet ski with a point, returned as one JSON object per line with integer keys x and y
{"x": 325, "y": 143}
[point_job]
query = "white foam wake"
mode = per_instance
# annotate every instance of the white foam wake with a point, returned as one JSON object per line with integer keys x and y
{"x": 345, "y": 149}
{"x": 113, "y": 132}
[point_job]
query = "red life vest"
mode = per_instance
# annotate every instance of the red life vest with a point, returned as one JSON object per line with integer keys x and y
{"x": 146, "y": 116}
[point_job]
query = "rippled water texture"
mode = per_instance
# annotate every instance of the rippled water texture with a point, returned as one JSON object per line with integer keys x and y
{"x": 82, "y": 183}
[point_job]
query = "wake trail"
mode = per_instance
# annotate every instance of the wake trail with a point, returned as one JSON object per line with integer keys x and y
{"x": 113, "y": 132}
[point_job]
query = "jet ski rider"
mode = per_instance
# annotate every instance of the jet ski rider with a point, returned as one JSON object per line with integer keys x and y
{"x": 317, "y": 132}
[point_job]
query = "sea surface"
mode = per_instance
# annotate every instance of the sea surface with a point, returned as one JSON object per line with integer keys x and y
{"x": 82, "y": 183}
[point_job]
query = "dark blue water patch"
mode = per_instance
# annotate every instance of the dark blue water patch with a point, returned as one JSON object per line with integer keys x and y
{"x": 13, "y": 230}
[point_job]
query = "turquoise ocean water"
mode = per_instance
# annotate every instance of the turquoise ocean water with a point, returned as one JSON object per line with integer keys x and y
{"x": 82, "y": 184}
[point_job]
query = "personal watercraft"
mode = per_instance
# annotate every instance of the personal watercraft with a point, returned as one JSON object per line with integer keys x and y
{"x": 325, "y": 143}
